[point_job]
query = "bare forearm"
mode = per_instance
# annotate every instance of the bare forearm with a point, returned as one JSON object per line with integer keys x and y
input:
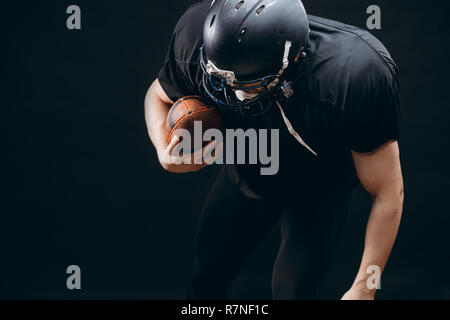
{"x": 381, "y": 233}
{"x": 379, "y": 172}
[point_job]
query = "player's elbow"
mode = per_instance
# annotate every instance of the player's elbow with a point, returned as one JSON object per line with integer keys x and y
{"x": 390, "y": 198}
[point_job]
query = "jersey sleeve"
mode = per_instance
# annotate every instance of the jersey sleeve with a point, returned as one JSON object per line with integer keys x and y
{"x": 373, "y": 109}
{"x": 179, "y": 74}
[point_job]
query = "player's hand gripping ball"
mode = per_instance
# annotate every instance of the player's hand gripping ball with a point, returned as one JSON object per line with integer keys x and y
{"x": 182, "y": 115}
{"x": 189, "y": 109}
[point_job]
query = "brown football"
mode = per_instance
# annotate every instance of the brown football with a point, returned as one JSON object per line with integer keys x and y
{"x": 188, "y": 109}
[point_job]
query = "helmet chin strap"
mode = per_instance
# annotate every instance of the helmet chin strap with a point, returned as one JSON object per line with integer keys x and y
{"x": 292, "y": 131}
{"x": 284, "y": 66}
{"x": 285, "y": 118}
{"x": 242, "y": 95}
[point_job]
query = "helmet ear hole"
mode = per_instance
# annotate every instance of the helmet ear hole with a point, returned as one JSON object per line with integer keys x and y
{"x": 260, "y": 9}
{"x": 212, "y": 21}
{"x": 239, "y": 5}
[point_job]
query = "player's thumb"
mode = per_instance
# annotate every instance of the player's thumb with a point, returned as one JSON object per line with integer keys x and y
{"x": 172, "y": 144}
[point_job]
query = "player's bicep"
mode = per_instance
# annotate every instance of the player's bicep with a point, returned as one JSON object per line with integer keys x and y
{"x": 379, "y": 171}
{"x": 159, "y": 91}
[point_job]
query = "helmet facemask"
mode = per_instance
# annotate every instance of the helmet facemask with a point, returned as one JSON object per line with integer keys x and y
{"x": 230, "y": 94}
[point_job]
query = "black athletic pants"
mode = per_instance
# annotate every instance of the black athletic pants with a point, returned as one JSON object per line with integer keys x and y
{"x": 232, "y": 225}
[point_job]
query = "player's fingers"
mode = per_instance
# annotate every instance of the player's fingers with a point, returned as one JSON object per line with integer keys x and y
{"x": 198, "y": 155}
{"x": 211, "y": 145}
{"x": 210, "y": 156}
{"x": 172, "y": 144}
{"x": 174, "y": 151}
{"x": 219, "y": 150}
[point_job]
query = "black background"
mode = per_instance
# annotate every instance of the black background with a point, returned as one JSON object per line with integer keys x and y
{"x": 82, "y": 182}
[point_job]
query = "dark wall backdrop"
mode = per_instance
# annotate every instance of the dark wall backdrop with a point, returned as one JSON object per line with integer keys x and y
{"x": 81, "y": 180}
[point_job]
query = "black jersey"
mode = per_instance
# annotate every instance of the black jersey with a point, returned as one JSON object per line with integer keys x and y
{"x": 346, "y": 98}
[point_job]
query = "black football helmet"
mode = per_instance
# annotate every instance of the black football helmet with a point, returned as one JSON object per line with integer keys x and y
{"x": 251, "y": 50}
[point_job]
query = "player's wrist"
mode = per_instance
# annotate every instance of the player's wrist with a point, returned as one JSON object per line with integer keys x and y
{"x": 361, "y": 287}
